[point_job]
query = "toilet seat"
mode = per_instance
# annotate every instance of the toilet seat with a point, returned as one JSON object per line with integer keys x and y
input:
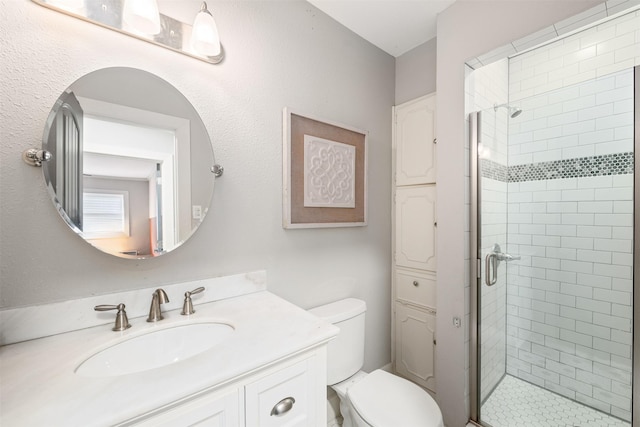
{"x": 383, "y": 399}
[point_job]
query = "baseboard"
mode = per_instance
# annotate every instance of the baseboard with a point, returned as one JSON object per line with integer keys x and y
{"x": 388, "y": 367}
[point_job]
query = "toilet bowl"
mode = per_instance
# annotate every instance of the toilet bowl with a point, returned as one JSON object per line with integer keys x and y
{"x": 377, "y": 399}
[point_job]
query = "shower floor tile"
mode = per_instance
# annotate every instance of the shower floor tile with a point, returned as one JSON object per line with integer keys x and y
{"x": 518, "y": 403}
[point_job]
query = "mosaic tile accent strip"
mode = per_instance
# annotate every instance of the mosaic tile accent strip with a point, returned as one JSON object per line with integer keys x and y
{"x": 519, "y": 403}
{"x": 609, "y": 164}
{"x": 493, "y": 170}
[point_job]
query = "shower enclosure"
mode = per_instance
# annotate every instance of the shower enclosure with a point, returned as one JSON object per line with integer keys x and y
{"x": 552, "y": 232}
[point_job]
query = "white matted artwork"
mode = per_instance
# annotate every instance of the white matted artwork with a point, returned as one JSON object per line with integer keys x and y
{"x": 324, "y": 173}
{"x": 329, "y": 173}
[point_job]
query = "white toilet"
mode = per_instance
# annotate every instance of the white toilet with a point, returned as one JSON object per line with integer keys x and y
{"x": 378, "y": 399}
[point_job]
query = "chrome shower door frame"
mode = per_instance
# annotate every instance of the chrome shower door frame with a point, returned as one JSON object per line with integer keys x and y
{"x": 635, "y": 410}
{"x": 474, "y": 216}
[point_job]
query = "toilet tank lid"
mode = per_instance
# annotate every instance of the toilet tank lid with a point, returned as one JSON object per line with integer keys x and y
{"x": 340, "y": 310}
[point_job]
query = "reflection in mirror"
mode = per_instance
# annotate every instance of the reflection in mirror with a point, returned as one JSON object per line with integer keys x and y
{"x": 131, "y": 162}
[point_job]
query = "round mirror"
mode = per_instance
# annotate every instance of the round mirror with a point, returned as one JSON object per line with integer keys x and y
{"x": 131, "y": 162}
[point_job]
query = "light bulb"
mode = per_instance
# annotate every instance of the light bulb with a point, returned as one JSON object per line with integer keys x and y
{"x": 204, "y": 36}
{"x": 142, "y": 16}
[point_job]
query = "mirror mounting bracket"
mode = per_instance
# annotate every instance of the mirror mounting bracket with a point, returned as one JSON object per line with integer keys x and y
{"x": 35, "y": 157}
{"x": 217, "y": 170}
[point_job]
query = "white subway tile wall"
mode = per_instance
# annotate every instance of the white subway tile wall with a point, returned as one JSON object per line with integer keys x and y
{"x": 594, "y": 118}
{"x": 570, "y": 215}
{"x": 601, "y": 50}
{"x": 494, "y": 299}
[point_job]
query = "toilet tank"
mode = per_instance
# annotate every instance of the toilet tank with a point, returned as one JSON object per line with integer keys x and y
{"x": 345, "y": 353}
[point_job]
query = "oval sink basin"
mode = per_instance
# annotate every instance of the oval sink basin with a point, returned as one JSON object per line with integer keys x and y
{"x": 154, "y": 350}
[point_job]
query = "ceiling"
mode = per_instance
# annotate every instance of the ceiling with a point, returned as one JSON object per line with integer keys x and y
{"x": 395, "y": 26}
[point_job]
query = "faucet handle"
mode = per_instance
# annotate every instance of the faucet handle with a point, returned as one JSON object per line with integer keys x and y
{"x": 187, "y": 307}
{"x": 122, "y": 322}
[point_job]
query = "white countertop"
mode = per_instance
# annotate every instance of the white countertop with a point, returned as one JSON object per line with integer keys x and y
{"x": 38, "y": 385}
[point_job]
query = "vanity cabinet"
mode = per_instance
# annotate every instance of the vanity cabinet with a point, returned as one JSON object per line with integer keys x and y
{"x": 221, "y": 409}
{"x": 289, "y": 394}
{"x": 284, "y": 398}
{"x": 414, "y": 241}
{"x": 271, "y": 370}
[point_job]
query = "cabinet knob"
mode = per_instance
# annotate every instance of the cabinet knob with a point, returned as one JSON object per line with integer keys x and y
{"x": 415, "y": 283}
{"x": 283, "y": 406}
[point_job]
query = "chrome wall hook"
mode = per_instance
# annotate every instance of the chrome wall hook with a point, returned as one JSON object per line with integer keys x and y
{"x": 34, "y": 157}
{"x": 217, "y": 170}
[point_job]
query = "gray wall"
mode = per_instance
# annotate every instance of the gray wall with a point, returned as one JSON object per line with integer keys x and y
{"x": 416, "y": 72}
{"x": 279, "y": 54}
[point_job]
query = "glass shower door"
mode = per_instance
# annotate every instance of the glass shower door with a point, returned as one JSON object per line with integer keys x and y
{"x": 489, "y": 127}
{"x": 554, "y": 256}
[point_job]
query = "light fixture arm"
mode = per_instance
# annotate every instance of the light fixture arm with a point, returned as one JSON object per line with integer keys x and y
{"x": 204, "y": 8}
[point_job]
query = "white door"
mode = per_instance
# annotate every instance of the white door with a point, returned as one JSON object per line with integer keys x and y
{"x": 415, "y": 345}
{"x": 416, "y": 227}
{"x": 415, "y": 126}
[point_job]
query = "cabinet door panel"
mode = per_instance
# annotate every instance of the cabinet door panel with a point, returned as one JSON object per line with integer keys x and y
{"x": 295, "y": 383}
{"x": 416, "y": 227}
{"x": 213, "y": 410}
{"x": 414, "y": 138}
{"x": 415, "y": 345}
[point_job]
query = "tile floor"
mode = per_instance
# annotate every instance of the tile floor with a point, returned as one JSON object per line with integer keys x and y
{"x": 518, "y": 403}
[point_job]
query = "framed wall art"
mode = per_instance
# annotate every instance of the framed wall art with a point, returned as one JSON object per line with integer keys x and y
{"x": 324, "y": 173}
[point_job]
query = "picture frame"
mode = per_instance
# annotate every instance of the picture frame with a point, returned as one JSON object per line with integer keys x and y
{"x": 324, "y": 173}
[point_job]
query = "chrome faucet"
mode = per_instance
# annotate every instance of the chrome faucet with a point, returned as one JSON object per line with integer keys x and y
{"x": 187, "y": 306}
{"x": 122, "y": 322}
{"x": 159, "y": 297}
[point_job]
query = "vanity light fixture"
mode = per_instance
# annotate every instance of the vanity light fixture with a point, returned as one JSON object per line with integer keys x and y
{"x": 73, "y": 6}
{"x": 204, "y": 36}
{"x": 142, "y": 15}
{"x": 143, "y": 20}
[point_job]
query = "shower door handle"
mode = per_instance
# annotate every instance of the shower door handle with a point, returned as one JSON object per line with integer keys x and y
{"x": 491, "y": 269}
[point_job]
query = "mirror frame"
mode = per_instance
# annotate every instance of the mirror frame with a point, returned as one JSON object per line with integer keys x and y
{"x": 183, "y": 114}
